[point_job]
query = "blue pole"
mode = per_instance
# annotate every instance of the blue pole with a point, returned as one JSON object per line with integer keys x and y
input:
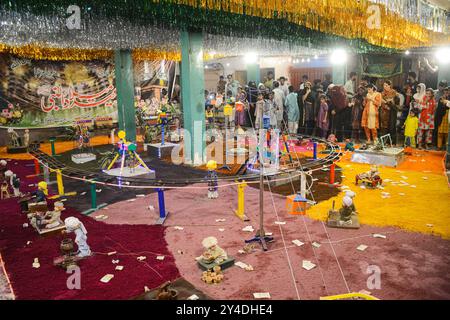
{"x": 162, "y": 207}
{"x": 162, "y": 134}
{"x": 314, "y": 150}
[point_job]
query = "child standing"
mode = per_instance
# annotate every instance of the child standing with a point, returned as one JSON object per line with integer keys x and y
{"x": 426, "y": 120}
{"x": 272, "y": 107}
{"x": 411, "y": 125}
{"x": 322, "y": 119}
{"x": 293, "y": 112}
{"x": 259, "y": 109}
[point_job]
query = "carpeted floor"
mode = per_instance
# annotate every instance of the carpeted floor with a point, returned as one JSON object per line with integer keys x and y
{"x": 416, "y": 195}
{"x": 129, "y": 242}
{"x": 412, "y": 265}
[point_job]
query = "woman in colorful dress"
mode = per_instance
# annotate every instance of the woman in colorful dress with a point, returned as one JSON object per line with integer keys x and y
{"x": 369, "y": 120}
{"x": 427, "y": 107}
{"x": 388, "y": 114}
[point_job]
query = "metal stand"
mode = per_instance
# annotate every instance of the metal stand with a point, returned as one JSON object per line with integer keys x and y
{"x": 260, "y": 236}
{"x": 162, "y": 207}
{"x": 225, "y": 165}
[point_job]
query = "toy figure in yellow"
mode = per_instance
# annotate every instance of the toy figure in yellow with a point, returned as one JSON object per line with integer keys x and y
{"x": 212, "y": 180}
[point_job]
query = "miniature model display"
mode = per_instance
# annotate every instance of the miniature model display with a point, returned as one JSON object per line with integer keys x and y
{"x": 83, "y": 142}
{"x": 213, "y": 256}
{"x": 26, "y": 138}
{"x": 49, "y": 220}
{"x": 14, "y": 139}
{"x": 349, "y": 145}
{"x": 213, "y": 192}
{"x": 131, "y": 163}
{"x": 74, "y": 225}
{"x": 370, "y": 178}
{"x": 346, "y": 216}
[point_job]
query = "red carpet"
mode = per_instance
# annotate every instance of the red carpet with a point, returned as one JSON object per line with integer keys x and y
{"x": 49, "y": 282}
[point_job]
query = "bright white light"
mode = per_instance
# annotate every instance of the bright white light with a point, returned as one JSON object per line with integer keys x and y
{"x": 407, "y": 52}
{"x": 308, "y": 60}
{"x": 228, "y": 64}
{"x": 206, "y": 67}
{"x": 338, "y": 56}
{"x": 443, "y": 55}
{"x": 303, "y": 59}
{"x": 251, "y": 57}
{"x": 316, "y": 57}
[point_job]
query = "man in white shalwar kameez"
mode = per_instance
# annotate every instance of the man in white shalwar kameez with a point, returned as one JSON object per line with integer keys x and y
{"x": 74, "y": 225}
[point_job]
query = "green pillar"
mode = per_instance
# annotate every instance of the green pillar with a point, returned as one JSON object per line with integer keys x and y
{"x": 253, "y": 73}
{"x": 193, "y": 97}
{"x": 125, "y": 92}
{"x": 339, "y": 74}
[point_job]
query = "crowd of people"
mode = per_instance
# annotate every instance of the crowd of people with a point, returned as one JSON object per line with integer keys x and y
{"x": 412, "y": 115}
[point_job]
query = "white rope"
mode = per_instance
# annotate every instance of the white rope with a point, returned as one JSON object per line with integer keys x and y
{"x": 284, "y": 243}
{"x": 335, "y": 256}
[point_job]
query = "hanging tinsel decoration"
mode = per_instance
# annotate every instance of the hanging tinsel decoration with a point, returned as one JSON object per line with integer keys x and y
{"x": 151, "y": 28}
{"x": 343, "y": 18}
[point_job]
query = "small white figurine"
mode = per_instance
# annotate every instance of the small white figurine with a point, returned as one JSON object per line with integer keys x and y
{"x": 213, "y": 253}
{"x": 52, "y": 219}
{"x": 76, "y": 226}
{"x": 13, "y": 138}
{"x": 26, "y": 138}
{"x": 16, "y": 185}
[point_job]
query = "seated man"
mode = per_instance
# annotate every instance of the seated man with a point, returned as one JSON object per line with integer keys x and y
{"x": 52, "y": 219}
{"x": 213, "y": 253}
{"x": 346, "y": 211}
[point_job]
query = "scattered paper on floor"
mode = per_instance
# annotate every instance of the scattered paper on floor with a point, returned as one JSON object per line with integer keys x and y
{"x": 141, "y": 258}
{"x": 119, "y": 268}
{"x": 248, "y": 229}
{"x": 308, "y": 265}
{"x": 160, "y": 258}
{"x": 297, "y": 242}
{"x": 377, "y": 235}
{"x": 193, "y": 297}
{"x": 261, "y": 295}
{"x": 115, "y": 261}
{"x": 107, "y": 278}
{"x": 316, "y": 244}
{"x": 361, "y": 247}
{"x": 241, "y": 264}
{"x": 280, "y": 222}
{"x": 221, "y": 220}
{"x": 221, "y": 229}
{"x": 178, "y": 228}
{"x": 111, "y": 253}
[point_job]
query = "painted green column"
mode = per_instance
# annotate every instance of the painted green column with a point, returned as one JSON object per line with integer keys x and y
{"x": 339, "y": 74}
{"x": 193, "y": 97}
{"x": 253, "y": 73}
{"x": 125, "y": 92}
